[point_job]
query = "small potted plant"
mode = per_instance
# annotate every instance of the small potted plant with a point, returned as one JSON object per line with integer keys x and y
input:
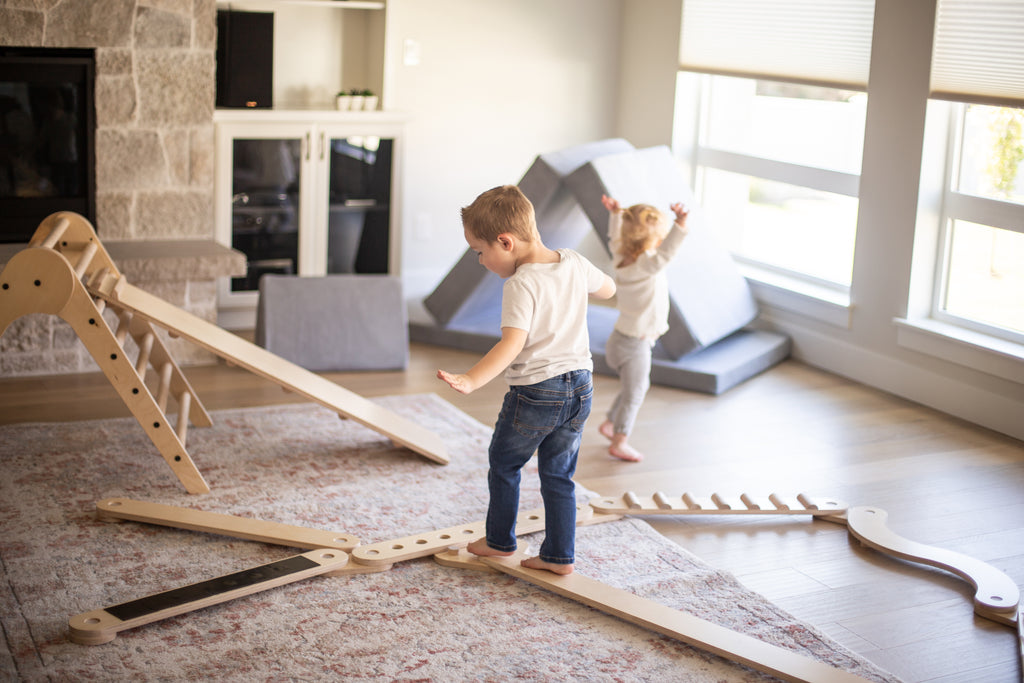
{"x": 343, "y": 100}
{"x": 357, "y": 98}
{"x": 369, "y": 100}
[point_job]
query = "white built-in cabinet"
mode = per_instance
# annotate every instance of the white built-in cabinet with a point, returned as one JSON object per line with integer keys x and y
{"x": 304, "y": 188}
{"x": 305, "y": 193}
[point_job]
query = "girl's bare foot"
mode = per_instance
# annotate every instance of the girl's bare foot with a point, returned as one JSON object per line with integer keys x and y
{"x": 623, "y": 451}
{"x": 537, "y": 563}
{"x": 607, "y": 430}
{"x": 480, "y": 547}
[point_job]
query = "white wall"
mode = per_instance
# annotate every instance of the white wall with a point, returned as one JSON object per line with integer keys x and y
{"x": 307, "y": 55}
{"x": 497, "y": 83}
{"x": 645, "y": 105}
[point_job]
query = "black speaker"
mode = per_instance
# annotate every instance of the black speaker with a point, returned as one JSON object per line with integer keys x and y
{"x": 245, "y": 59}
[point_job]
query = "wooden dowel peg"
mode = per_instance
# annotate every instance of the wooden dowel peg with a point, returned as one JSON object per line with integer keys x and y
{"x": 85, "y": 259}
{"x": 631, "y": 500}
{"x": 806, "y": 501}
{"x": 145, "y": 348}
{"x": 749, "y": 502}
{"x": 164, "y": 389}
{"x": 777, "y": 501}
{"x": 58, "y": 231}
{"x": 97, "y": 276}
{"x": 720, "y": 502}
{"x": 184, "y": 403}
{"x": 124, "y": 321}
{"x": 661, "y": 500}
{"x": 690, "y": 502}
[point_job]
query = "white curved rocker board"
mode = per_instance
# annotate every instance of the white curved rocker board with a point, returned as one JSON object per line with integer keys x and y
{"x": 996, "y": 596}
{"x": 676, "y": 624}
{"x": 126, "y": 509}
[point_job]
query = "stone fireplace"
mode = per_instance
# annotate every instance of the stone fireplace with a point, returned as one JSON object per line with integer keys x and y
{"x": 154, "y": 159}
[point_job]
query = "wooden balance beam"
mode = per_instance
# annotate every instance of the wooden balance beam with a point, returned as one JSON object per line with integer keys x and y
{"x": 448, "y": 549}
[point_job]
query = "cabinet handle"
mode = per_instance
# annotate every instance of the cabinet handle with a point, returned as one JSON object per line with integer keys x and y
{"x": 322, "y": 146}
{"x": 307, "y": 146}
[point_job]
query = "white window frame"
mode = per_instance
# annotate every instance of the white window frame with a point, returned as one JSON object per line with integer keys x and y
{"x": 927, "y": 328}
{"x": 781, "y": 287}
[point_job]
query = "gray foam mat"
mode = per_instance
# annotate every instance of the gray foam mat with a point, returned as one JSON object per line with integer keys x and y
{"x": 334, "y": 322}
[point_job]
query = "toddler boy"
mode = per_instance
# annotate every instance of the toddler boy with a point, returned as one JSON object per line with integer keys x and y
{"x": 544, "y": 351}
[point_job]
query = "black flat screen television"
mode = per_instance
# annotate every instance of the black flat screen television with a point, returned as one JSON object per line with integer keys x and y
{"x": 47, "y": 129}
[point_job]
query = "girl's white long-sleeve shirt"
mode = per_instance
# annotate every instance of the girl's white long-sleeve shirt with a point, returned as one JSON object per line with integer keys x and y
{"x": 642, "y": 286}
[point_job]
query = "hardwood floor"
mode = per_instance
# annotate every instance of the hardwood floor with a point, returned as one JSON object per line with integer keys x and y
{"x": 793, "y": 429}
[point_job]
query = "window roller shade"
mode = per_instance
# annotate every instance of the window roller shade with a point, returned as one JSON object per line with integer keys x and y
{"x": 978, "y": 53}
{"x": 820, "y": 42}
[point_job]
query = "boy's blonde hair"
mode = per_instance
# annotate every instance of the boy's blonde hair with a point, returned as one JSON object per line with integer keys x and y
{"x": 501, "y": 209}
{"x": 643, "y": 226}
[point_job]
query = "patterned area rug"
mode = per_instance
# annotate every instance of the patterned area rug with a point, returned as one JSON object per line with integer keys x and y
{"x": 300, "y": 464}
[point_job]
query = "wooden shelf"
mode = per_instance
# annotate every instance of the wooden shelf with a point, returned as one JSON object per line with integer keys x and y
{"x": 333, "y": 4}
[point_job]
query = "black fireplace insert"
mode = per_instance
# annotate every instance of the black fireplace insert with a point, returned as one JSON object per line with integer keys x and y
{"x": 47, "y": 146}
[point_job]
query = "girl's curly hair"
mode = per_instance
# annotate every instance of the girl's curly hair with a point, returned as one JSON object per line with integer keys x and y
{"x": 643, "y": 226}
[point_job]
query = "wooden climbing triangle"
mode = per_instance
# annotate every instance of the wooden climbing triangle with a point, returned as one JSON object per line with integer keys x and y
{"x": 66, "y": 271}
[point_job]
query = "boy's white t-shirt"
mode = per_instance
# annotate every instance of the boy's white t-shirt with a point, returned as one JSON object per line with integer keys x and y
{"x": 549, "y": 301}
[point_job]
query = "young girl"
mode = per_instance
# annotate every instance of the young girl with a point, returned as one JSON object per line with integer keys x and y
{"x": 641, "y": 248}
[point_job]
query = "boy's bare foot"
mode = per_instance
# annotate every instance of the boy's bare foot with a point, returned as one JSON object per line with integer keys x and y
{"x": 623, "y": 451}
{"x": 607, "y": 430}
{"x": 537, "y": 563}
{"x": 480, "y": 547}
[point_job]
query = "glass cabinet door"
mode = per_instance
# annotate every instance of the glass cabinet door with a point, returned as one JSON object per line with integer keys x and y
{"x": 359, "y": 204}
{"x": 265, "y": 183}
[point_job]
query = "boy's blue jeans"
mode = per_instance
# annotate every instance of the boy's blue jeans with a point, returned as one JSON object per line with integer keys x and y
{"x": 548, "y": 418}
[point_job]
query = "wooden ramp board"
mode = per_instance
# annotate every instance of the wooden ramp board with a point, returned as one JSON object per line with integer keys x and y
{"x": 257, "y": 360}
{"x": 119, "y": 509}
{"x": 103, "y": 625}
{"x": 738, "y": 647}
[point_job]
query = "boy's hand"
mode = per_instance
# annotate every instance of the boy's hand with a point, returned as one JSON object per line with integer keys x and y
{"x": 460, "y": 383}
{"x": 611, "y": 204}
